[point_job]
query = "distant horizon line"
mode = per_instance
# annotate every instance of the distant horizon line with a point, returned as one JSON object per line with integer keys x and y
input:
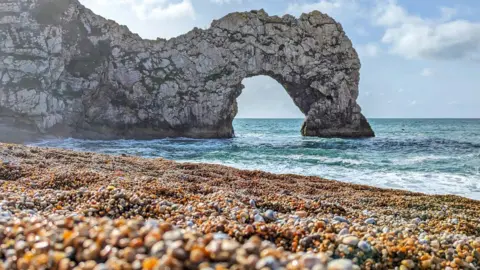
{"x": 413, "y": 118}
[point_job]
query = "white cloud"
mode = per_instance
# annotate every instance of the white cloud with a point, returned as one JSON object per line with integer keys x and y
{"x": 368, "y": 50}
{"x": 401, "y": 90}
{"x": 413, "y": 103}
{"x": 221, "y": 2}
{"x": 415, "y": 37}
{"x": 427, "y": 72}
{"x": 325, "y": 6}
{"x": 152, "y": 9}
{"x": 331, "y": 7}
{"x": 388, "y": 13}
{"x": 171, "y": 11}
{"x": 149, "y": 18}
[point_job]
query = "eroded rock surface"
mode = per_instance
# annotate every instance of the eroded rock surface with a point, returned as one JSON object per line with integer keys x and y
{"x": 68, "y": 72}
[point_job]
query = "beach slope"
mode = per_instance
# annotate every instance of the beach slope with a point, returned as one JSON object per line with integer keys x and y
{"x": 63, "y": 209}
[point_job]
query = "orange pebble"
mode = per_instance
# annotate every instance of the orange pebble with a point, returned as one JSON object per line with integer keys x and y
{"x": 149, "y": 263}
{"x": 136, "y": 243}
{"x": 67, "y": 235}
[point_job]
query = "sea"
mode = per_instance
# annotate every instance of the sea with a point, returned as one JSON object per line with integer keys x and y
{"x": 434, "y": 156}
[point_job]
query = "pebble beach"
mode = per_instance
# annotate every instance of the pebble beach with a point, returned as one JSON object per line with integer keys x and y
{"x": 62, "y": 209}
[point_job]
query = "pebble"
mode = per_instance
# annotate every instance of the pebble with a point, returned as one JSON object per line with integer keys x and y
{"x": 416, "y": 221}
{"x": 370, "y": 221}
{"x": 340, "y": 264}
{"x": 258, "y": 218}
{"x": 221, "y": 236}
{"x": 173, "y": 236}
{"x": 345, "y": 249}
{"x": 75, "y": 212}
{"x": 364, "y": 246}
{"x": 301, "y": 214}
{"x": 344, "y": 231}
{"x": 408, "y": 263}
{"x": 350, "y": 240}
{"x": 270, "y": 215}
{"x": 340, "y": 219}
{"x": 253, "y": 203}
{"x": 197, "y": 256}
{"x": 268, "y": 262}
{"x": 41, "y": 247}
{"x": 423, "y": 241}
{"x": 310, "y": 260}
{"x": 476, "y": 254}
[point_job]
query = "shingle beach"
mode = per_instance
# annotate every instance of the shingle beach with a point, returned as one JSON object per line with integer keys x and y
{"x": 62, "y": 209}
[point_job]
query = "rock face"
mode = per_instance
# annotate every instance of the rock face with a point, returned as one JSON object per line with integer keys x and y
{"x": 68, "y": 72}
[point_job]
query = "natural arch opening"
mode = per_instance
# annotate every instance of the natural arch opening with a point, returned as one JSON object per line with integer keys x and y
{"x": 263, "y": 104}
{"x": 263, "y": 97}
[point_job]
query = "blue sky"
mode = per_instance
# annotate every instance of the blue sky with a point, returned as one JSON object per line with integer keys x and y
{"x": 419, "y": 58}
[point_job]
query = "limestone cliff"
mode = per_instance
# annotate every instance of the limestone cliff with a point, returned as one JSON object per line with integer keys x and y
{"x": 66, "y": 71}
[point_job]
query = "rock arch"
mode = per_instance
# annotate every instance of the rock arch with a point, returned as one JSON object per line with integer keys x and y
{"x": 69, "y": 72}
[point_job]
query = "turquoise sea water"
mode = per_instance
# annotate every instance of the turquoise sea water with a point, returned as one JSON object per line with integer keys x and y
{"x": 438, "y": 156}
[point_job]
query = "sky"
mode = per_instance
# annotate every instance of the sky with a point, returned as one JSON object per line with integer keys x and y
{"x": 420, "y": 59}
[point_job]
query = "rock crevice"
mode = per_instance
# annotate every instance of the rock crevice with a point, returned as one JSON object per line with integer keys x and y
{"x": 66, "y": 71}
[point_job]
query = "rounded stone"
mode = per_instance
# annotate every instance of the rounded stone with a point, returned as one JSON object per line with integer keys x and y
{"x": 350, "y": 240}
{"x": 340, "y": 219}
{"x": 370, "y": 221}
{"x": 309, "y": 261}
{"x": 408, "y": 263}
{"x": 340, "y": 264}
{"x": 258, "y": 218}
{"x": 364, "y": 246}
{"x": 268, "y": 262}
{"x": 270, "y": 215}
{"x": 173, "y": 235}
